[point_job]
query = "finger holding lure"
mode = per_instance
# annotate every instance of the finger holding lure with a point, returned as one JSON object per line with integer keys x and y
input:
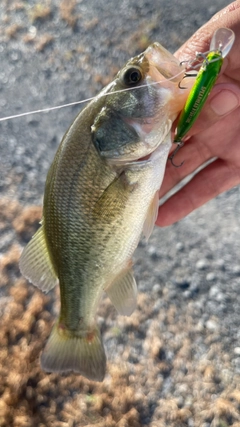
{"x": 221, "y": 43}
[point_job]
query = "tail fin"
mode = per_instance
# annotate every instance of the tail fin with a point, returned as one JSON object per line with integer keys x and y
{"x": 67, "y": 351}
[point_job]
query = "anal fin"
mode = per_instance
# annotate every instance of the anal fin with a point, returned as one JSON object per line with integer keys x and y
{"x": 123, "y": 293}
{"x": 35, "y": 263}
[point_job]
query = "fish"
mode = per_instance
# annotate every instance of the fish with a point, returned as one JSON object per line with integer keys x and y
{"x": 101, "y": 194}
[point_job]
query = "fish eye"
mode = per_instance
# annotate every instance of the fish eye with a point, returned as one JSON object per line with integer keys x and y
{"x": 132, "y": 76}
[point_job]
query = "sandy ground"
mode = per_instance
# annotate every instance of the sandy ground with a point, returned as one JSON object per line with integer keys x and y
{"x": 176, "y": 361}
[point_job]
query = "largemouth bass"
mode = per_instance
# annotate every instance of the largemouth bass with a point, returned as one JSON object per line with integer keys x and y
{"x": 101, "y": 193}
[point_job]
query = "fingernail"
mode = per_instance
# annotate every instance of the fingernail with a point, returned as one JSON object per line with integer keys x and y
{"x": 224, "y": 102}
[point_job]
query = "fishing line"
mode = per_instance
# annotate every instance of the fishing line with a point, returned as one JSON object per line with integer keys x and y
{"x": 189, "y": 64}
{"x": 58, "y": 107}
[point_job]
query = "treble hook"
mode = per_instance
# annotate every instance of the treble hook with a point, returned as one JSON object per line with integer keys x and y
{"x": 200, "y": 56}
{"x": 186, "y": 75}
{"x": 179, "y": 145}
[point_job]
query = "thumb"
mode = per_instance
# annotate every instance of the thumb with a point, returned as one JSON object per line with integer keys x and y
{"x": 224, "y": 99}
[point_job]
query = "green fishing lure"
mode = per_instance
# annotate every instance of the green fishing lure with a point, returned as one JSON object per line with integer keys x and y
{"x": 221, "y": 44}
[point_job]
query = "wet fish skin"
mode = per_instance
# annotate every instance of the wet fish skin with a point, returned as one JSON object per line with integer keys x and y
{"x": 101, "y": 193}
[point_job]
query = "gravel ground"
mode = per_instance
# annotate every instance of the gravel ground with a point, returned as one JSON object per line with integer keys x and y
{"x": 176, "y": 360}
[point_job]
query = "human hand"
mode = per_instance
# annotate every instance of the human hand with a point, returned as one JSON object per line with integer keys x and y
{"x": 216, "y": 133}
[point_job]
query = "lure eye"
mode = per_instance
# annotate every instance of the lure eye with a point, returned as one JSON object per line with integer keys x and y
{"x": 132, "y": 76}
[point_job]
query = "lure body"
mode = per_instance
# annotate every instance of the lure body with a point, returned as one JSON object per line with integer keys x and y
{"x": 220, "y": 45}
{"x": 204, "y": 82}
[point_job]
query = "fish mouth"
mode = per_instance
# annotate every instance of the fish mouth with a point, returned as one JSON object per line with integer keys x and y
{"x": 165, "y": 63}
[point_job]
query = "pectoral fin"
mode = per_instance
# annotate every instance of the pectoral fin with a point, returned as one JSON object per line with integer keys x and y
{"x": 35, "y": 263}
{"x": 151, "y": 216}
{"x": 123, "y": 293}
